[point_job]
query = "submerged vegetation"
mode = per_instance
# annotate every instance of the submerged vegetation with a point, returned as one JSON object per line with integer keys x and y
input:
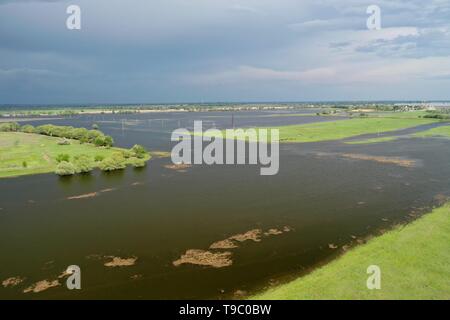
{"x": 414, "y": 262}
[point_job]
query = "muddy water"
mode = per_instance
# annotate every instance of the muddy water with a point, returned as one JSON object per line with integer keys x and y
{"x": 155, "y": 215}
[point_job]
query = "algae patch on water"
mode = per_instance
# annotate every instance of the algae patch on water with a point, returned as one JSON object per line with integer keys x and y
{"x": 181, "y": 167}
{"x": 254, "y": 235}
{"x": 42, "y": 286}
{"x": 223, "y": 244}
{"x": 12, "y": 282}
{"x": 398, "y": 161}
{"x": 83, "y": 196}
{"x": 120, "y": 262}
{"x": 219, "y": 259}
{"x": 205, "y": 258}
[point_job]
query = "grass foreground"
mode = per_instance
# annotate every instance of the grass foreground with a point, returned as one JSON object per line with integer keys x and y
{"x": 414, "y": 262}
{"x": 25, "y": 154}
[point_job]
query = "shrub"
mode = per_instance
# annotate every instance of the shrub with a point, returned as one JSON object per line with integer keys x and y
{"x": 65, "y": 168}
{"x": 139, "y": 151}
{"x": 9, "y": 127}
{"x": 24, "y": 164}
{"x": 92, "y": 135}
{"x": 109, "y": 141}
{"x": 78, "y": 133}
{"x": 437, "y": 116}
{"x": 127, "y": 154}
{"x": 62, "y": 157}
{"x": 138, "y": 163}
{"x": 83, "y": 164}
{"x": 95, "y": 126}
{"x": 99, "y": 141}
{"x": 28, "y": 128}
{"x": 104, "y": 141}
{"x": 112, "y": 163}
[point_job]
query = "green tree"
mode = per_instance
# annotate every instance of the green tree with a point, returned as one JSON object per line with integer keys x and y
{"x": 9, "y": 127}
{"x": 111, "y": 164}
{"x": 139, "y": 151}
{"x": 138, "y": 163}
{"x": 65, "y": 168}
{"x": 28, "y": 128}
{"x": 83, "y": 164}
{"x": 109, "y": 141}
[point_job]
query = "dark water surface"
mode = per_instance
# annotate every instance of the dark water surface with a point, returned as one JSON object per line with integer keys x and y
{"x": 156, "y": 214}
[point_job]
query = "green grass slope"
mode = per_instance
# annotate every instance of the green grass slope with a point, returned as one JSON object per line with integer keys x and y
{"x": 414, "y": 262}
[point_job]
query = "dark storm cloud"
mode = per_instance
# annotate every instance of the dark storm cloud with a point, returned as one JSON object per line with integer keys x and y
{"x": 175, "y": 50}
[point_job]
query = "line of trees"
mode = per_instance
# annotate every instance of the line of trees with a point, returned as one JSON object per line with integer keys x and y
{"x": 81, "y": 134}
{"x": 135, "y": 156}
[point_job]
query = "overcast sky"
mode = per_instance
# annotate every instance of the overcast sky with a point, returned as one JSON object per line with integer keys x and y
{"x": 137, "y": 51}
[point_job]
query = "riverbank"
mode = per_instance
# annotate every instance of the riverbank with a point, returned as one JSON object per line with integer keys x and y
{"x": 27, "y": 154}
{"x": 414, "y": 262}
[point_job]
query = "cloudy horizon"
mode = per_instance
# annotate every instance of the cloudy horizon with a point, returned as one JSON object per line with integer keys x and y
{"x": 173, "y": 51}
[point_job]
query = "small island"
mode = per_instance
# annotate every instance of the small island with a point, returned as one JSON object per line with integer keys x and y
{"x": 26, "y": 150}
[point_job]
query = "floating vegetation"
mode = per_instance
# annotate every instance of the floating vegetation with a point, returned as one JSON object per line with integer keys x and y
{"x": 64, "y": 274}
{"x": 42, "y": 286}
{"x": 120, "y": 262}
{"x": 205, "y": 258}
{"x": 381, "y": 159}
{"x": 408, "y": 163}
{"x": 273, "y": 232}
{"x": 223, "y": 259}
{"x": 91, "y": 194}
{"x": 12, "y": 282}
{"x": 136, "y": 277}
{"x": 84, "y": 196}
{"x": 178, "y": 167}
{"x": 223, "y": 244}
{"x": 254, "y": 235}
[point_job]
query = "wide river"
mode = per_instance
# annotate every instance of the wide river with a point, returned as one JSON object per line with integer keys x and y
{"x": 156, "y": 214}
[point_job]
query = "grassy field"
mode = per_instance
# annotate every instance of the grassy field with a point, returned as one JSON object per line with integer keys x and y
{"x": 414, "y": 262}
{"x": 336, "y": 130}
{"x": 399, "y": 115}
{"x": 39, "y": 153}
{"x": 443, "y": 131}
{"x": 372, "y": 140}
